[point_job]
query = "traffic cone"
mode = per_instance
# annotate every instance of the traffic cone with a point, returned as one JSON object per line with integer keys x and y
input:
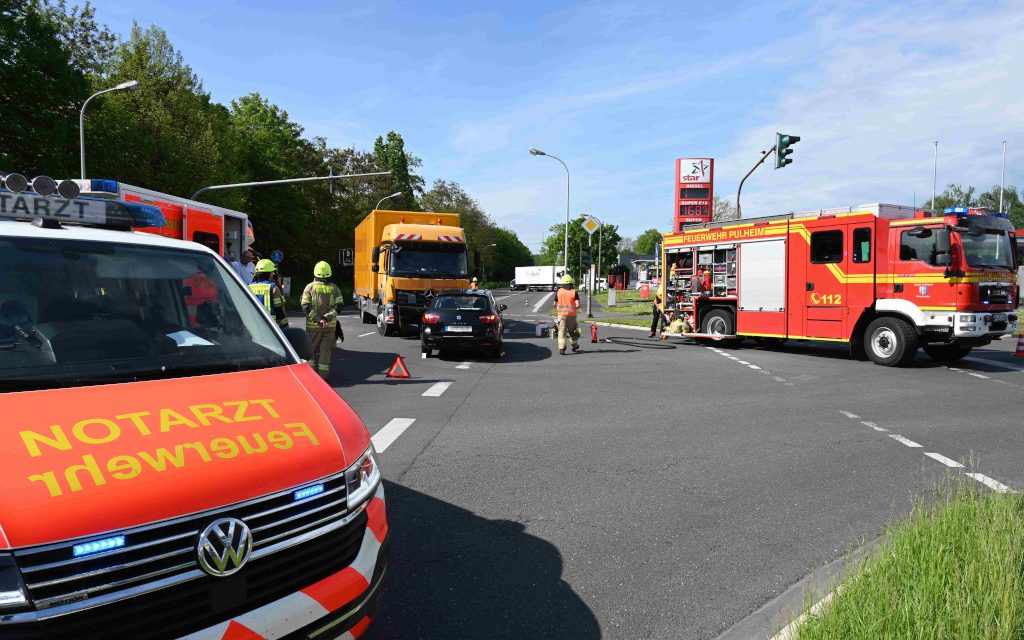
{"x": 593, "y": 333}
{"x": 1020, "y": 345}
{"x": 398, "y": 369}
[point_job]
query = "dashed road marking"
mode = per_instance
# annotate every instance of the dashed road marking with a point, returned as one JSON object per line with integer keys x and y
{"x": 977, "y": 375}
{"x": 989, "y": 482}
{"x": 949, "y": 462}
{"x": 898, "y": 438}
{"x": 464, "y": 365}
{"x": 873, "y": 425}
{"x": 742, "y": 361}
{"x": 437, "y": 389}
{"x": 536, "y": 307}
{"x": 386, "y": 436}
{"x": 363, "y": 335}
{"x": 852, "y": 416}
{"x": 753, "y": 366}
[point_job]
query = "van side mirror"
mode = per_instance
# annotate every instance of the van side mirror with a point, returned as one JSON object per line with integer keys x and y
{"x": 299, "y": 340}
{"x": 374, "y": 259}
{"x": 942, "y": 242}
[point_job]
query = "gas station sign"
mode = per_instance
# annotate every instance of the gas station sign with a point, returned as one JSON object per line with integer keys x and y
{"x": 695, "y": 178}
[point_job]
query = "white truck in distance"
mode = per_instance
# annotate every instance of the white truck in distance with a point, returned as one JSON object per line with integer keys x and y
{"x": 544, "y": 278}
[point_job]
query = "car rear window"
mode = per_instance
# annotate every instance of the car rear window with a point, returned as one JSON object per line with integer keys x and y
{"x": 460, "y": 302}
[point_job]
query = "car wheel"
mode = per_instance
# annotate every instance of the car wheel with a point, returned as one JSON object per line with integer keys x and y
{"x": 383, "y": 328}
{"x": 890, "y": 342}
{"x": 946, "y": 353}
{"x": 495, "y": 351}
{"x": 426, "y": 351}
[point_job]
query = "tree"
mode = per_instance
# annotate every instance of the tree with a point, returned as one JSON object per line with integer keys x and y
{"x": 646, "y": 241}
{"x": 90, "y": 44}
{"x": 551, "y": 249}
{"x": 722, "y": 210}
{"x": 1011, "y": 204}
{"x": 390, "y": 154}
{"x": 507, "y": 254}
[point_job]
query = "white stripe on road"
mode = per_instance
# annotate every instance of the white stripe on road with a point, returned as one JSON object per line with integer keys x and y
{"x": 742, "y": 361}
{"x": 363, "y": 335}
{"x": 873, "y": 426}
{"x": 386, "y": 436}
{"x": 852, "y": 416}
{"x": 437, "y": 389}
{"x": 464, "y": 365}
{"x": 989, "y": 482}
{"x": 943, "y": 459}
{"x": 898, "y": 438}
{"x": 976, "y": 375}
{"x": 536, "y": 307}
{"x": 503, "y": 297}
{"x": 753, "y": 366}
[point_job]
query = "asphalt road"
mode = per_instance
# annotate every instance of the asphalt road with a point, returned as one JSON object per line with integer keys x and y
{"x": 629, "y": 492}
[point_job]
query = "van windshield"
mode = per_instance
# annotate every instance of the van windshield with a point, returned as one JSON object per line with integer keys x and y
{"x": 75, "y": 313}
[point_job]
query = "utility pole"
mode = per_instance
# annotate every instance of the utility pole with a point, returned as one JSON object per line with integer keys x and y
{"x": 1002, "y": 178}
{"x": 935, "y": 174}
{"x": 739, "y": 213}
{"x": 265, "y": 183}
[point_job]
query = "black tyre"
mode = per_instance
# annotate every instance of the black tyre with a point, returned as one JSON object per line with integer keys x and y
{"x": 494, "y": 351}
{"x": 426, "y": 351}
{"x": 890, "y": 342}
{"x": 946, "y": 353}
{"x": 383, "y": 328}
{"x": 720, "y": 322}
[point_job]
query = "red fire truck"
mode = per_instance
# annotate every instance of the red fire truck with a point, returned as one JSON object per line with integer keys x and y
{"x": 884, "y": 279}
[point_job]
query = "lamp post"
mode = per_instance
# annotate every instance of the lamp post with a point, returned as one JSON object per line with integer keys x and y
{"x": 538, "y": 152}
{"x": 131, "y": 85}
{"x": 483, "y": 272}
{"x": 393, "y": 195}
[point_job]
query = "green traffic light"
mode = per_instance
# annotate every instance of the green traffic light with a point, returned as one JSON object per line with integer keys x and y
{"x": 782, "y": 150}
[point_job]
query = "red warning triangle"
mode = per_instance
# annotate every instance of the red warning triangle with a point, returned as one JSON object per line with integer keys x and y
{"x": 238, "y": 631}
{"x": 398, "y": 369}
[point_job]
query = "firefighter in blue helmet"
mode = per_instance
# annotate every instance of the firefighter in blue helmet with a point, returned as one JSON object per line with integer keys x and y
{"x": 321, "y": 302}
{"x": 268, "y": 292}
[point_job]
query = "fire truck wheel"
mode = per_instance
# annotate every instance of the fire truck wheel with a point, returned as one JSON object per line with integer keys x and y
{"x": 718, "y": 322}
{"x": 890, "y": 342}
{"x": 946, "y": 352}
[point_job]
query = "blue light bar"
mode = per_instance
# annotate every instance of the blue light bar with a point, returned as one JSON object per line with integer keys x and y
{"x": 956, "y": 209}
{"x": 82, "y": 210}
{"x": 107, "y": 186}
{"x": 308, "y": 492}
{"x": 145, "y": 215}
{"x": 97, "y": 546}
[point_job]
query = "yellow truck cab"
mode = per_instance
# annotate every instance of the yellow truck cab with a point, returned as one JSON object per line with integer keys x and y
{"x": 169, "y": 464}
{"x": 402, "y": 259}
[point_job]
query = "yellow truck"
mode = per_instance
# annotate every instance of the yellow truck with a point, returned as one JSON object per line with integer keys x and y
{"x": 402, "y": 259}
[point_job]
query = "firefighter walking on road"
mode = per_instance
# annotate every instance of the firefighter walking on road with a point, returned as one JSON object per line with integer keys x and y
{"x": 567, "y": 301}
{"x": 268, "y": 292}
{"x": 321, "y": 302}
{"x": 658, "y": 312}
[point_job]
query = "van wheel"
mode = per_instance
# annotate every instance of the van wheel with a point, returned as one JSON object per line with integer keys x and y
{"x": 946, "y": 353}
{"x": 383, "y": 328}
{"x": 890, "y": 342}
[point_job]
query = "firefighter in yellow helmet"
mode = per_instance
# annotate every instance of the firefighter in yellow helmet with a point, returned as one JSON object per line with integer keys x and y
{"x": 474, "y": 285}
{"x": 321, "y": 302}
{"x": 268, "y": 292}
{"x": 567, "y": 301}
{"x": 658, "y": 311}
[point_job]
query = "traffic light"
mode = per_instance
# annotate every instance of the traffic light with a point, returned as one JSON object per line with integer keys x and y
{"x": 783, "y": 143}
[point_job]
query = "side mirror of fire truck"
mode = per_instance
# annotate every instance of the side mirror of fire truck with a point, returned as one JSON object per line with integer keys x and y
{"x": 942, "y": 242}
{"x": 374, "y": 259}
{"x": 943, "y": 260}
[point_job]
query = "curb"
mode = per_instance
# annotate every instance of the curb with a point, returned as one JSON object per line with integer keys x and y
{"x": 777, "y": 619}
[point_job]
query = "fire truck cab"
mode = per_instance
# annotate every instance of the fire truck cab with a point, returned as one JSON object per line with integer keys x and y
{"x": 885, "y": 279}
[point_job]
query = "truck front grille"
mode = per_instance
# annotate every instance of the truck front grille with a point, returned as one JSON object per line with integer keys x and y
{"x": 153, "y": 584}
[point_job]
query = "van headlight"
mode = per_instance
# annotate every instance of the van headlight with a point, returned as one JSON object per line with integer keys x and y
{"x": 362, "y": 478}
{"x": 12, "y": 590}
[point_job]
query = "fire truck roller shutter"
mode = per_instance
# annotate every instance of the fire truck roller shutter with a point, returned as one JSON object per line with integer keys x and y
{"x": 762, "y": 288}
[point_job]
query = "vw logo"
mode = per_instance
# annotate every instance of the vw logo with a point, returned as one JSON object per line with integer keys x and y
{"x": 224, "y": 547}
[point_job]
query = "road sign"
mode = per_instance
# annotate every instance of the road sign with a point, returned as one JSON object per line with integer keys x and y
{"x": 591, "y": 224}
{"x": 277, "y": 256}
{"x": 346, "y": 257}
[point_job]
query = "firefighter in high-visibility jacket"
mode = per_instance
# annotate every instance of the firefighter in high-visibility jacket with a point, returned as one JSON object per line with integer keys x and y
{"x": 321, "y": 302}
{"x": 658, "y": 311}
{"x": 567, "y": 301}
{"x": 267, "y": 291}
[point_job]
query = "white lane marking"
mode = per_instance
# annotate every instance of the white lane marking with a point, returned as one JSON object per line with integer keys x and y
{"x": 989, "y": 482}
{"x": 386, "y": 436}
{"x": 873, "y": 425}
{"x": 503, "y": 297}
{"x": 753, "y": 366}
{"x": 778, "y": 379}
{"x": 977, "y": 375}
{"x": 852, "y": 416}
{"x": 464, "y": 365}
{"x": 943, "y": 459}
{"x": 363, "y": 335}
{"x": 742, "y": 361}
{"x": 898, "y": 438}
{"x": 1002, "y": 365}
{"x": 536, "y": 307}
{"x": 436, "y": 389}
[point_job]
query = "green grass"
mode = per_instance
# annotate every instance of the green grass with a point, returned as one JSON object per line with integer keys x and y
{"x": 953, "y": 569}
{"x": 638, "y": 308}
{"x": 626, "y": 295}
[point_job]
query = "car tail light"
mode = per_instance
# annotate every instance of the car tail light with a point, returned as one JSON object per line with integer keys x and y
{"x": 431, "y": 317}
{"x": 488, "y": 318}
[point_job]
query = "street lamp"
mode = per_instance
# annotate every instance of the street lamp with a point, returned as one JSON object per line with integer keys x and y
{"x": 538, "y": 152}
{"x": 483, "y": 272}
{"x": 131, "y": 85}
{"x": 393, "y": 195}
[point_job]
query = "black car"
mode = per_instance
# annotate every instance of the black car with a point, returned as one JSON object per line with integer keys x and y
{"x": 463, "y": 320}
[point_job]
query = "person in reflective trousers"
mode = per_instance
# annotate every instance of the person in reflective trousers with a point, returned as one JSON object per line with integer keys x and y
{"x": 321, "y": 302}
{"x": 567, "y": 301}
{"x": 268, "y": 292}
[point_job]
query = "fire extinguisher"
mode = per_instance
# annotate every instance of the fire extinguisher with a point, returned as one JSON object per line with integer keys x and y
{"x": 593, "y": 333}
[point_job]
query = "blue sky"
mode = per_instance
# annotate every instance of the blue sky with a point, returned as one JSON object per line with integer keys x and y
{"x": 620, "y": 89}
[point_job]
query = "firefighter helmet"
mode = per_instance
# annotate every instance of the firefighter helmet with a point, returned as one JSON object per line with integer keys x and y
{"x": 567, "y": 279}
{"x": 265, "y": 266}
{"x": 474, "y": 279}
{"x": 322, "y": 270}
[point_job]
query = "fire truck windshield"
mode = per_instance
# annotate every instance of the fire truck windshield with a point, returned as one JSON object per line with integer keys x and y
{"x": 428, "y": 259}
{"x": 76, "y": 312}
{"x": 988, "y": 249}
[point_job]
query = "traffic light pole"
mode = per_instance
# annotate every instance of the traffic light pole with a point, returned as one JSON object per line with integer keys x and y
{"x": 590, "y": 272}
{"x": 739, "y": 213}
